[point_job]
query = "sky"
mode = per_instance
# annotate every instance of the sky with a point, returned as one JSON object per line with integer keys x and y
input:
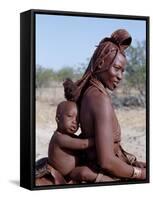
{"x": 69, "y": 40}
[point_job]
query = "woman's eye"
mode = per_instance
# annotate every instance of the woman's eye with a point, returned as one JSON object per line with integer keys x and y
{"x": 117, "y": 69}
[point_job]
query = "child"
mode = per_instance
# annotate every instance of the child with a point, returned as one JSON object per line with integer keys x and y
{"x": 64, "y": 145}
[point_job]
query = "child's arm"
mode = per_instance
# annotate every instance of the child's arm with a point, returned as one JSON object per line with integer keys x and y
{"x": 69, "y": 142}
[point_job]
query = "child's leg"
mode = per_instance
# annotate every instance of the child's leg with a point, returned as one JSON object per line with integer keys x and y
{"x": 83, "y": 173}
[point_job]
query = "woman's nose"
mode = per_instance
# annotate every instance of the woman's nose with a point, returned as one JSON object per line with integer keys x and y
{"x": 120, "y": 75}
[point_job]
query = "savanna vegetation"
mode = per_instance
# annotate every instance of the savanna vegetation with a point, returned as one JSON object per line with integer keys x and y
{"x": 131, "y": 93}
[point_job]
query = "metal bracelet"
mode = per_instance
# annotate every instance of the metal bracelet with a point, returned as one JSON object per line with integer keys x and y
{"x": 137, "y": 173}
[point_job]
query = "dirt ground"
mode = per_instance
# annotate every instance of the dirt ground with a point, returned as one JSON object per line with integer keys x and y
{"x": 132, "y": 122}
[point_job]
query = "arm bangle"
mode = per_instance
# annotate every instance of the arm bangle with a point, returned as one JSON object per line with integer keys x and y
{"x": 137, "y": 173}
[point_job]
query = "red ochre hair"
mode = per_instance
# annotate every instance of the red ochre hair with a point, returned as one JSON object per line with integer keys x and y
{"x": 117, "y": 43}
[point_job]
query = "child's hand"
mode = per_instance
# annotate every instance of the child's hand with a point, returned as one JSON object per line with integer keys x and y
{"x": 91, "y": 142}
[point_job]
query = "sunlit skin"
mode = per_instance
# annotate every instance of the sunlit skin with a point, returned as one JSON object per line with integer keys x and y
{"x": 64, "y": 144}
{"x": 98, "y": 120}
{"x": 67, "y": 121}
{"x": 112, "y": 77}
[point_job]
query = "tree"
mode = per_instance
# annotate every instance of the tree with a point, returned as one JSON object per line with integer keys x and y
{"x": 43, "y": 76}
{"x": 65, "y": 72}
{"x": 136, "y": 69}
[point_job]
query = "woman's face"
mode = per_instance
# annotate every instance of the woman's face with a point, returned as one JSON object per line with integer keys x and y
{"x": 114, "y": 74}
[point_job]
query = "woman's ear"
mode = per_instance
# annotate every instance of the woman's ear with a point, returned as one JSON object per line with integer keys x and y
{"x": 101, "y": 64}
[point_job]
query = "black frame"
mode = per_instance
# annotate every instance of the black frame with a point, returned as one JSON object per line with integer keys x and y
{"x": 27, "y": 96}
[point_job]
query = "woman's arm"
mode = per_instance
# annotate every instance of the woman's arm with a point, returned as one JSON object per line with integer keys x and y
{"x": 103, "y": 114}
{"x": 132, "y": 160}
{"x": 66, "y": 141}
{"x": 139, "y": 164}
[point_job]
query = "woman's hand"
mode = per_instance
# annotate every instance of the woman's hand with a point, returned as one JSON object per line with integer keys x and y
{"x": 139, "y": 173}
{"x": 139, "y": 164}
{"x": 143, "y": 175}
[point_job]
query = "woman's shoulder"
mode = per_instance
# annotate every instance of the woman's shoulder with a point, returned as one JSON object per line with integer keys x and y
{"x": 97, "y": 102}
{"x": 94, "y": 95}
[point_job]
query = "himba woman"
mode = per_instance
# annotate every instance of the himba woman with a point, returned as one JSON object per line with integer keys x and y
{"x": 97, "y": 115}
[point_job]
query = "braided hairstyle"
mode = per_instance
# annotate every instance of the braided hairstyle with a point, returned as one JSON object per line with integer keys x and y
{"x": 107, "y": 48}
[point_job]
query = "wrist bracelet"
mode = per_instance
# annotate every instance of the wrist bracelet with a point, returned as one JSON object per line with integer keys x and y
{"x": 137, "y": 172}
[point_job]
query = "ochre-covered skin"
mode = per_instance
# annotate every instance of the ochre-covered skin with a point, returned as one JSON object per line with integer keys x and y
{"x": 64, "y": 146}
{"x": 97, "y": 115}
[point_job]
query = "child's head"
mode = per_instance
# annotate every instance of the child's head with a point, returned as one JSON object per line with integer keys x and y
{"x": 67, "y": 117}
